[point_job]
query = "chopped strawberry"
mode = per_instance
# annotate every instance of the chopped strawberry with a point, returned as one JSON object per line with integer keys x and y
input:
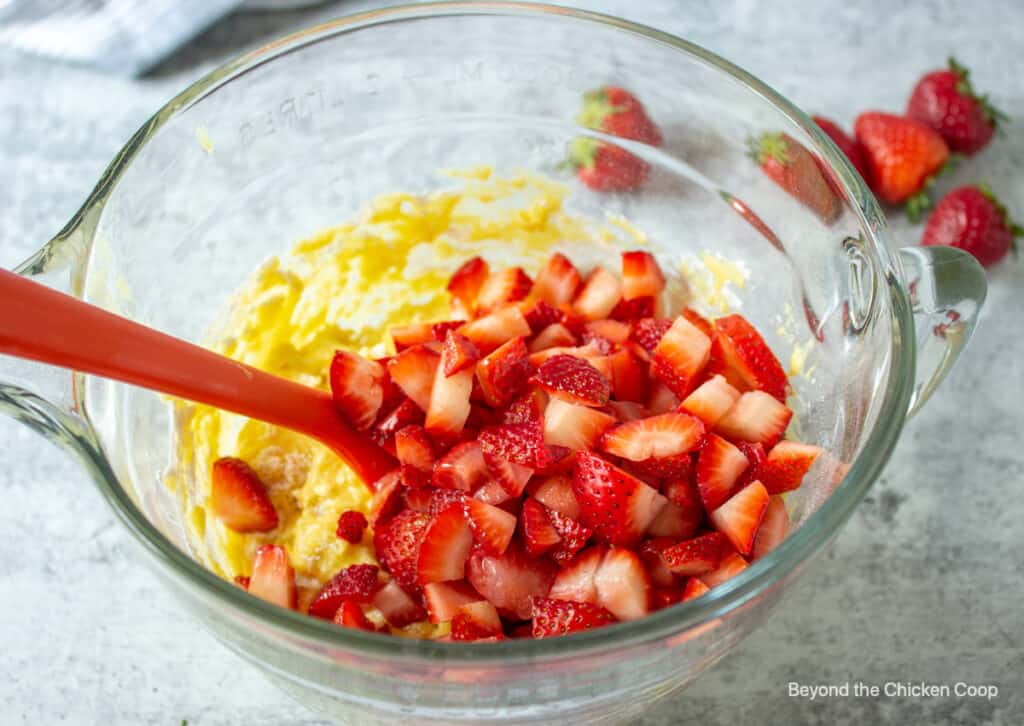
{"x": 663, "y": 597}
{"x": 406, "y": 336}
{"x": 503, "y": 374}
{"x": 680, "y": 356}
{"x": 414, "y": 449}
{"x": 626, "y": 411}
{"x": 641, "y": 275}
{"x": 242, "y": 581}
{"x": 492, "y": 493}
{"x": 528, "y": 408}
{"x": 459, "y": 353}
{"x": 238, "y": 498}
{"x": 387, "y": 498}
{"x": 555, "y": 493}
{"x": 600, "y": 294}
{"x": 557, "y": 281}
{"x": 445, "y": 598}
{"x": 648, "y": 332}
{"x": 356, "y": 387}
{"x": 560, "y": 460}
{"x": 553, "y": 336}
{"x": 683, "y": 492}
{"x": 445, "y": 547}
{"x": 574, "y": 380}
{"x": 786, "y": 465}
{"x": 658, "y": 437}
{"x": 676, "y": 466}
{"x": 756, "y": 417}
{"x": 508, "y": 285}
{"x": 396, "y": 606}
{"x": 755, "y": 458}
{"x": 404, "y": 414}
{"x": 574, "y": 536}
{"x": 613, "y": 331}
{"x": 676, "y": 521}
{"x": 519, "y": 443}
{"x": 413, "y": 370}
{"x": 397, "y": 542}
{"x": 739, "y": 346}
{"x": 475, "y": 621}
{"x": 417, "y": 498}
{"x": 351, "y": 615}
{"x": 629, "y": 376}
{"x": 356, "y": 583}
{"x": 774, "y": 528}
{"x": 699, "y": 321}
{"x": 465, "y": 284}
{"x": 449, "y": 400}
{"x": 273, "y": 578}
{"x": 441, "y": 499}
{"x": 589, "y": 352}
{"x": 461, "y": 468}
{"x": 440, "y": 330}
{"x": 719, "y": 468}
{"x": 492, "y": 527}
{"x": 694, "y": 588}
{"x": 351, "y": 525}
{"x": 490, "y": 331}
{"x": 575, "y": 581}
{"x": 560, "y": 617}
{"x": 650, "y": 554}
{"x": 510, "y": 580}
{"x": 698, "y": 555}
{"x": 539, "y": 534}
{"x": 392, "y": 394}
{"x": 539, "y": 315}
{"x": 711, "y": 399}
{"x": 617, "y": 506}
{"x": 573, "y": 426}
{"x": 623, "y": 586}
{"x": 739, "y": 518}
{"x": 732, "y": 565}
{"x": 635, "y": 309}
{"x": 511, "y": 476}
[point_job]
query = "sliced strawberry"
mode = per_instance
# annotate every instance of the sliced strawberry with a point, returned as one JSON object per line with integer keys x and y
{"x": 661, "y": 399}
{"x": 694, "y": 588}
{"x": 626, "y": 411}
{"x": 528, "y": 408}
{"x": 445, "y": 547}
{"x": 774, "y": 528}
{"x": 539, "y": 315}
{"x": 676, "y": 522}
{"x": 510, "y": 580}
{"x": 573, "y": 426}
{"x": 739, "y": 518}
{"x": 648, "y": 332}
{"x": 449, "y": 400}
{"x": 539, "y": 535}
{"x": 680, "y": 356}
{"x": 351, "y": 525}
{"x": 492, "y": 527}
{"x": 465, "y": 284}
{"x": 639, "y": 307}
{"x": 397, "y": 542}
{"x": 490, "y": 331}
{"x": 654, "y": 469}
{"x": 492, "y": 493}
{"x": 273, "y": 578}
{"x": 519, "y": 443}
{"x": 461, "y": 468}
{"x": 396, "y": 606}
{"x": 711, "y": 399}
{"x": 511, "y": 476}
{"x": 698, "y": 555}
{"x": 440, "y": 330}
{"x": 755, "y": 457}
{"x": 629, "y": 377}
{"x": 756, "y": 417}
{"x": 413, "y": 370}
{"x": 623, "y": 586}
{"x": 414, "y": 449}
{"x": 589, "y": 352}
{"x": 507, "y": 285}
{"x": 683, "y": 492}
{"x": 641, "y": 275}
{"x": 356, "y": 385}
{"x": 732, "y": 565}
{"x": 458, "y": 354}
{"x": 476, "y": 621}
{"x": 356, "y": 583}
{"x": 719, "y": 468}
{"x": 417, "y": 498}
{"x": 555, "y": 493}
{"x": 445, "y": 598}
{"x": 575, "y": 581}
{"x": 392, "y": 394}
{"x": 617, "y": 506}
{"x": 387, "y": 498}
{"x": 613, "y": 331}
{"x": 574, "y": 536}
{"x": 786, "y": 465}
{"x": 238, "y": 498}
{"x": 742, "y": 350}
{"x": 663, "y": 597}
{"x": 406, "y": 336}
{"x": 441, "y": 499}
{"x": 503, "y": 374}
{"x": 351, "y": 615}
{"x": 699, "y": 321}
{"x": 574, "y": 380}
{"x": 650, "y": 554}
{"x": 557, "y": 281}
{"x": 402, "y": 415}
{"x": 658, "y": 437}
{"x": 601, "y": 292}
{"x": 553, "y": 617}
{"x": 553, "y": 336}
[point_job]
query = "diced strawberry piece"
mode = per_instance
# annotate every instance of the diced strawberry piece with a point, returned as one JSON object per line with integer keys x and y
{"x": 774, "y": 528}
{"x": 641, "y": 275}
{"x": 574, "y": 380}
{"x": 742, "y": 350}
{"x": 413, "y": 370}
{"x": 404, "y": 414}
{"x": 553, "y": 617}
{"x": 273, "y": 578}
{"x": 635, "y": 309}
{"x": 663, "y": 597}
{"x": 683, "y": 492}
{"x": 476, "y": 621}
{"x": 575, "y": 581}
{"x": 756, "y": 417}
{"x": 503, "y": 374}
{"x": 694, "y": 588}
{"x": 555, "y": 493}
{"x": 445, "y": 598}
{"x": 507, "y": 285}
{"x": 617, "y": 506}
{"x": 601, "y": 292}
{"x": 387, "y": 498}
{"x": 719, "y": 468}
{"x": 242, "y": 581}
{"x": 629, "y": 377}
{"x": 490, "y": 331}
{"x": 786, "y": 465}
{"x": 680, "y": 356}
{"x": 458, "y": 354}
{"x": 699, "y": 321}
{"x": 417, "y": 498}
{"x": 539, "y": 535}
{"x": 356, "y": 583}
{"x": 539, "y": 315}
{"x": 492, "y": 493}
{"x": 465, "y": 284}
{"x": 406, "y": 336}
{"x": 445, "y": 547}
{"x": 396, "y": 606}
{"x": 755, "y": 457}
{"x": 449, "y": 400}
{"x": 650, "y": 554}
{"x": 351, "y": 525}
{"x": 648, "y": 332}
{"x": 739, "y": 518}
{"x": 557, "y": 281}
{"x": 413, "y": 448}
{"x": 711, "y": 400}
{"x": 677, "y": 466}
{"x": 623, "y": 586}
{"x": 661, "y": 399}
{"x": 573, "y": 426}
{"x": 440, "y": 330}
{"x": 590, "y": 352}
{"x": 510, "y": 580}
{"x": 461, "y": 468}
{"x": 732, "y": 565}
{"x": 392, "y": 394}
{"x": 553, "y": 336}
{"x": 351, "y": 615}
{"x": 519, "y": 443}
{"x": 238, "y": 498}
{"x": 627, "y": 411}
{"x": 441, "y": 499}
{"x": 676, "y": 522}
{"x": 397, "y": 542}
{"x": 511, "y": 476}
{"x": 698, "y": 555}
{"x": 356, "y": 385}
{"x": 658, "y": 437}
{"x": 528, "y": 408}
{"x": 574, "y": 536}
{"x": 611, "y": 330}
{"x": 492, "y": 527}
{"x": 560, "y": 460}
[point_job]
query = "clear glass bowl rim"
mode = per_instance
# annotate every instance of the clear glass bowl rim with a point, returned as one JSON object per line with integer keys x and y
{"x": 757, "y": 578}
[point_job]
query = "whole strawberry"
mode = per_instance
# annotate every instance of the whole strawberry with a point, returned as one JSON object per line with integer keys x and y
{"x": 972, "y": 219}
{"x": 850, "y": 148}
{"x": 945, "y": 101}
{"x": 607, "y": 168}
{"x": 902, "y": 155}
{"x": 616, "y": 111}
{"x": 602, "y": 166}
{"x": 796, "y": 170}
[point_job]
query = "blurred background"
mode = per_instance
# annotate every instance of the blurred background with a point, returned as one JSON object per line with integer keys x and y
{"x": 923, "y": 584}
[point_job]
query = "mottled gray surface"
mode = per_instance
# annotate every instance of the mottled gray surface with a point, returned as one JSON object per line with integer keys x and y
{"x": 923, "y": 585}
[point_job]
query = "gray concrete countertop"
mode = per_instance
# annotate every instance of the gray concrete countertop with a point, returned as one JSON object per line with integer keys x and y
{"x": 924, "y": 584}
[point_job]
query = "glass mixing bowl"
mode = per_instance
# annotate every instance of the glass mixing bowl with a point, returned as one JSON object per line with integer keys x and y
{"x": 299, "y": 134}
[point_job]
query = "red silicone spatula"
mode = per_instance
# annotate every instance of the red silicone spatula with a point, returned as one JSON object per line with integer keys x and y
{"x": 44, "y": 325}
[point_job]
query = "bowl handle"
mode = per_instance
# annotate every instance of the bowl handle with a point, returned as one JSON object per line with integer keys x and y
{"x": 947, "y": 290}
